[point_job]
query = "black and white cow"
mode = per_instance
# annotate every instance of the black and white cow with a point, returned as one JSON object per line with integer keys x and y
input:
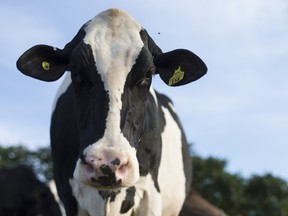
{"x": 117, "y": 145}
{"x": 22, "y": 194}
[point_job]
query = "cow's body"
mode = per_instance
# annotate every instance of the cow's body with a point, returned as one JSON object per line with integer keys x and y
{"x": 162, "y": 148}
{"x": 22, "y": 194}
{"x": 117, "y": 145}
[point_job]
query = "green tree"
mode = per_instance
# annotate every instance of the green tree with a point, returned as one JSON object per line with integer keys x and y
{"x": 266, "y": 195}
{"x": 39, "y": 160}
{"x": 257, "y": 196}
{"x": 214, "y": 183}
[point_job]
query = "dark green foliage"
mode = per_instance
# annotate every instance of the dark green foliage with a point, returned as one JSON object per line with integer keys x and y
{"x": 39, "y": 160}
{"x": 221, "y": 188}
{"x": 266, "y": 195}
{"x": 257, "y": 196}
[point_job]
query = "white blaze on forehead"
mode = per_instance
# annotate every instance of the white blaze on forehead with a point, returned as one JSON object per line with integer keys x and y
{"x": 115, "y": 41}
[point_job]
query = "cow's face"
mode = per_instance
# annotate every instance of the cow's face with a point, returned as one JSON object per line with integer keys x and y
{"x": 111, "y": 60}
{"x": 111, "y": 74}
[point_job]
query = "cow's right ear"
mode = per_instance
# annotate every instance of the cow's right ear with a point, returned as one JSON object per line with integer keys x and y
{"x": 43, "y": 62}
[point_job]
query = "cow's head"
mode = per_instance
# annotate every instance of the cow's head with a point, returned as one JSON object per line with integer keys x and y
{"x": 111, "y": 60}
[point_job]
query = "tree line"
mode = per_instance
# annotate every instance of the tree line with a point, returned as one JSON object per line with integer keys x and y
{"x": 258, "y": 195}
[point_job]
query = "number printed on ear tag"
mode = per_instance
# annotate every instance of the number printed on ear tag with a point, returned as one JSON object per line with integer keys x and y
{"x": 45, "y": 65}
{"x": 177, "y": 76}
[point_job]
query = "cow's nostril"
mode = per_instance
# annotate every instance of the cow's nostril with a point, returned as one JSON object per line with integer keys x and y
{"x": 121, "y": 171}
{"x": 106, "y": 170}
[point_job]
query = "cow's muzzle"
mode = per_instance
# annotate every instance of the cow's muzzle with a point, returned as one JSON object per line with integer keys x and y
{"x": 103, "y": 173}
{"x": 108, "y": 168}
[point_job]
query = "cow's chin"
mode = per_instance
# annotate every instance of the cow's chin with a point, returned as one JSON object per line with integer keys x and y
{"x": 113, "y": 182}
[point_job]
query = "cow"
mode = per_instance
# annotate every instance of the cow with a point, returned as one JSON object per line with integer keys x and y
{"x": 196, "y": 205}
{"x": 22, "y": 194}
{"x": 118, "y": 147}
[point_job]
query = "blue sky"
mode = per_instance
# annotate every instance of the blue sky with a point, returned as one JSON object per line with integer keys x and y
{"x": 238, "y": 111}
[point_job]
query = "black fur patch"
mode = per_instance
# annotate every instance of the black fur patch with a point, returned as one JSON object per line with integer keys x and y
{"x": 128, "y": 203}
{"x": 109, "y": 194}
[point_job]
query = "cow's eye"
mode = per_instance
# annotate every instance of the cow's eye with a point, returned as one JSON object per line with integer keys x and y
{"x": 145, "y": 81}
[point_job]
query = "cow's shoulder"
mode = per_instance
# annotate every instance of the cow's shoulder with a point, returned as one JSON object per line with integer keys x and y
{"x": 167, "y": 103}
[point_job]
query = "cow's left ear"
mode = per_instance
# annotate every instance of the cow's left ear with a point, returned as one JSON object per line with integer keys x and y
{"x": 43, "y": 62}
{"x": 179, "y": 67}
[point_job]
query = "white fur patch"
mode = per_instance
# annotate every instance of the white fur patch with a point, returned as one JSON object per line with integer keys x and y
{"x": 62, "y": 89}
{"x": 52, "y": 187}
{"x": 89, "y": 201}
{"x": 148, "y": 199}
{"x": 171, "y": 171}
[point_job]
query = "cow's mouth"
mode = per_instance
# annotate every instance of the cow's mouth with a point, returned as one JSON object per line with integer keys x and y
{"x": 106, "y": 181}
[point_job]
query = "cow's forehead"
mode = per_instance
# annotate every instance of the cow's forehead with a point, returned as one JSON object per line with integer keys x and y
{"x": 114, "y": 37}
{"x": 116, "y": 43}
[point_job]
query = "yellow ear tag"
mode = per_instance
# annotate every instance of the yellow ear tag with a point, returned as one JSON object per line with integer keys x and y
{"x": 45, "y": 65}
{"x": 177, "y": 76}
